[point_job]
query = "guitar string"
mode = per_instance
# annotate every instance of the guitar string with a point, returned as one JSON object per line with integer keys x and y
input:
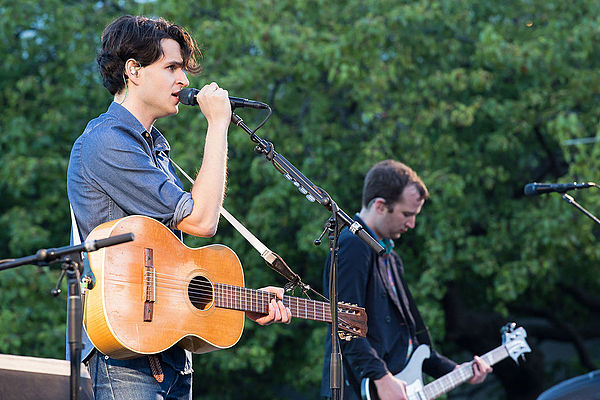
{"x": 203, "y": 290}
{"x": 309, "y": 302}
{"x": 255, "y": 304}
{"x": 177, "y": 280}
{"x": 465, "y": 372}
{"x": 208, "y": 291}
{"x": 204, "y": 293}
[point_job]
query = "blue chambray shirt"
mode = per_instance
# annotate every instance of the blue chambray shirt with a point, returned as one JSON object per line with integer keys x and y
{"x": 117, "y": 169}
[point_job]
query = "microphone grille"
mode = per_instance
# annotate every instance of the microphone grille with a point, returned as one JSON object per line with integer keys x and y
{"x": 187, "y": 96}
{"x": 530, "y": 189}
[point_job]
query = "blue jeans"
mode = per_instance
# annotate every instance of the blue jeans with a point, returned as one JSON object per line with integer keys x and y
{"x": 132, "y": 380}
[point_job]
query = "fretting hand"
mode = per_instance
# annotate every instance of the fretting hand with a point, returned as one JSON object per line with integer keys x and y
{"x": 277, "y": 311}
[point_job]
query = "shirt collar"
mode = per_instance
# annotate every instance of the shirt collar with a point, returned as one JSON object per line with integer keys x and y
{"x": 388, "y": 245}
{"x": 123, "y": 114}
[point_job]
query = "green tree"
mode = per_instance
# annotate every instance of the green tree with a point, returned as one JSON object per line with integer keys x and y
{"x": 479, "y": 99}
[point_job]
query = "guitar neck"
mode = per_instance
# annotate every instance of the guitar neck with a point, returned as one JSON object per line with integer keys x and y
{"x": 461, "y": 374}
{"x": 244, "y": 299}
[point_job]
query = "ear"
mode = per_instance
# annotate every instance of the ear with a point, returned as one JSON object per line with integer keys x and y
{"x": 132, "y": 68}
{"x": 379, "y": 205}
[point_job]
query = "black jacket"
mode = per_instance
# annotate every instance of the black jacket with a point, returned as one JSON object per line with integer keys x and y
{"x": 392, "y": 318}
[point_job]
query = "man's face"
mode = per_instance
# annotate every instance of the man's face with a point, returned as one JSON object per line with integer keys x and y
{"x": 161, "y": 81}
{"x": 402, "y": 216}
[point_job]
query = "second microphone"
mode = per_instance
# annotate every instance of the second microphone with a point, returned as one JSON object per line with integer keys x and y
{"x": 187, "y": 96}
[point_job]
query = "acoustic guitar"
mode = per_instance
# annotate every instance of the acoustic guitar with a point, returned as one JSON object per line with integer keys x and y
{"x": 155, "y": 292}
{"x": 513, "y": 345}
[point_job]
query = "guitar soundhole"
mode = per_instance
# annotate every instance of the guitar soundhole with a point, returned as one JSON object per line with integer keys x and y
{"x": 200, "y": 292}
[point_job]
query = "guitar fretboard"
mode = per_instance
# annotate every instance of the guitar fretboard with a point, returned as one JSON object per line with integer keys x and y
{"x": 461, "y": 374}
{"x": 244, "y": 299}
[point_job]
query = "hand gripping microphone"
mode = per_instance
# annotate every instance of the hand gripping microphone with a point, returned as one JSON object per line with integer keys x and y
{"x": 534, "y": 189}
{"x": 187, "y": 96}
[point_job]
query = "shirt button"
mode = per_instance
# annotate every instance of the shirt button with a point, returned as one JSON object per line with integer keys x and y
{"x": 388, "y": 319}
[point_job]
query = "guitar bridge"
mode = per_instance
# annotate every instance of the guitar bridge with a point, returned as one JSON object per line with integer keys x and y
{"x": 149, "y": 285}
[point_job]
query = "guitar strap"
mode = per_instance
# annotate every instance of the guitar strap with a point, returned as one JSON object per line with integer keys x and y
{"x": 75, "y": 238}
{"x": 402, "y": 296}
{"x": 272, "y": 259}
{"x": 253, "y": 240}
{"x": 419, "y": 329}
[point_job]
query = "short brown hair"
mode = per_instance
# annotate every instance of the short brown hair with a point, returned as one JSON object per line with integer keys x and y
{"x": 387, "y": 179}
{"x": 140, "y": 38}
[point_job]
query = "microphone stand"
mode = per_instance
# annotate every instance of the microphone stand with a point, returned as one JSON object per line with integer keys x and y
{"x": 336, "y": 370}
{"x": 305, "y": 186}
{"x": 569, "y": 199}
{"x": 72, "y": 267}
{"x": 334, "y": 225}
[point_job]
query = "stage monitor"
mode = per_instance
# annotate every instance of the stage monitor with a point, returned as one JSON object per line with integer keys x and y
{"x": 29, "y": 378}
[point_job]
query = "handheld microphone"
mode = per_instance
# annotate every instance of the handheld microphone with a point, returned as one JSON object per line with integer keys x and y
{"x": 187, "y": 96}
{"x": 534, "y": 189}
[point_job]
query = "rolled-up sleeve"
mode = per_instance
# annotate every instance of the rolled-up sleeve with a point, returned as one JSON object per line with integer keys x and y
{"x": 183, "y": 209}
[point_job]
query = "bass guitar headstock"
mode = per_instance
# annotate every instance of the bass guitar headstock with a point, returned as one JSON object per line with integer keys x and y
{"x": 513, "y": 339}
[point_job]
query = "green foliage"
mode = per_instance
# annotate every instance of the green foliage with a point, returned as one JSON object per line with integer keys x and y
{"x": 478, "y": 99}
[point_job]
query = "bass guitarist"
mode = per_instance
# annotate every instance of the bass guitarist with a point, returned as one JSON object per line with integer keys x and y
{"x": 120, "y": 166}
{"x": 393, "y": 195}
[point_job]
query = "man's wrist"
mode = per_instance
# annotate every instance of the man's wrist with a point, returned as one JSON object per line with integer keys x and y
{"x": 384, "y": 377}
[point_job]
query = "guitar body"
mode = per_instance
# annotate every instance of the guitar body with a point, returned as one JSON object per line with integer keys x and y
{"x": 135, "y": 309}
{"x": 513, "y": 346}
{"x": 411, "y": 374}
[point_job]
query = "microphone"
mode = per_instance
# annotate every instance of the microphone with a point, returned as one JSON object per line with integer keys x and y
{"x": 534, "y": 189}
{"x": 187, "y": 96}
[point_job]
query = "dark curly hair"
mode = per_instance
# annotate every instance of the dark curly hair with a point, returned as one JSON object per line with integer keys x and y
{"x": 387, "y": 179}
{"x": 139, "y": 38}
